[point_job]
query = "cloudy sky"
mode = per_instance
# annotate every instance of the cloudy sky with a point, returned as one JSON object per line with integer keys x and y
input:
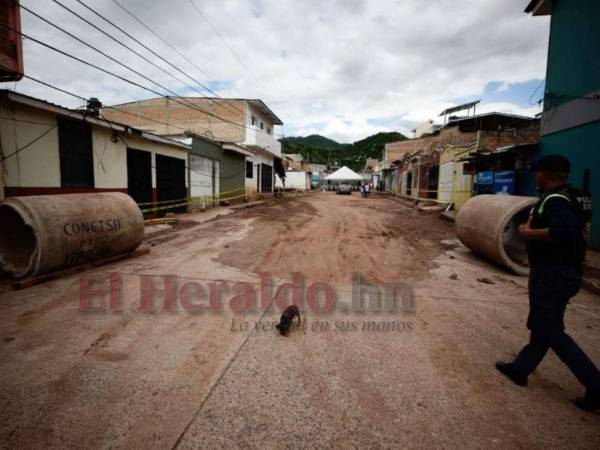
{"x": 342, "y": 68}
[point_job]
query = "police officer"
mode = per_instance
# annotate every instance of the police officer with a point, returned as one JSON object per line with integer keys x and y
{"x": 556, "y": 235}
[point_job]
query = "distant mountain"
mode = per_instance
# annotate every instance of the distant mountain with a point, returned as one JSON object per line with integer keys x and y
{"x": 315, "y": 140}
{"x": 372, "y": 146}
{"x": 351, "y": 155}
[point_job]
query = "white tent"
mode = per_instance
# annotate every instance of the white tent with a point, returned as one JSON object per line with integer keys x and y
{"x": 344, "y": 174}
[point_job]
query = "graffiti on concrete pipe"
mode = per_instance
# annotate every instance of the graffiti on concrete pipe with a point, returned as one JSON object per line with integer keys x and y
{"x": 96, "y": 226}
{"x": 40, "y": 234}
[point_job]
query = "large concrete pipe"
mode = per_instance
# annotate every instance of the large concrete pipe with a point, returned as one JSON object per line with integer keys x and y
{"x": 43, "y": 233}
{"x": 488, "y": 225}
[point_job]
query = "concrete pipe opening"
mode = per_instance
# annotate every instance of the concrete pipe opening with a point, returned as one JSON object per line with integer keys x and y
{"x": 488, "y": 225}
{"x": 17, "y": 241}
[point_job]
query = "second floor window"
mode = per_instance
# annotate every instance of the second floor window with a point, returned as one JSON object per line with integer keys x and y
{"x": 262, "y": 126}
{"x": 253, "y": 120}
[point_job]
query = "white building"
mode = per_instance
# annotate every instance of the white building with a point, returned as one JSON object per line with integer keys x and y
{"x": 50, "y": 149}
{"x": 248, "y": 123}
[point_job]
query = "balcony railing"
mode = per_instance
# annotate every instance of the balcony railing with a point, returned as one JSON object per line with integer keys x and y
{"x": 259, "y": 138}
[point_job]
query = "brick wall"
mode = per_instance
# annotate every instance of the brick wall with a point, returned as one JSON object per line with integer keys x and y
{"x": 196, "y": 119}
{"x": 396, "y": 150}
{"x": 488, "y": 140}
{"x": 492, "y": 140}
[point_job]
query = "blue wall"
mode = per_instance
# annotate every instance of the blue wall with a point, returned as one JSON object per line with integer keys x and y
{"x": 574, "y": 51}
{"x": 582, "y": 146}
{"x": 574, "y": 71}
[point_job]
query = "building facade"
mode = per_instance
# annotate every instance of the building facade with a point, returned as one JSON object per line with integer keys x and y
{"x": 440, "y": 166}
{"x": 571, "y": 117}
{"x": 49, "y": 149}
{"x": 218, "y": 172}
{"x": 247, "y": 123}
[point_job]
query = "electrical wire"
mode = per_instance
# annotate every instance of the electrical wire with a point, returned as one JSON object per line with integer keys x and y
{"x": 176, "y": 98}
{"x": 184, "y": 57}
{"x": 109, "y": 122}
{"x": 233, "y": 52}
{"x": 20, "y": 149}
{"x": 32, "y": 122}
{"x": 118, "y": 136}
{"x": 63, "y": 91}
{"x": 127, "y": 47}
{"x": 93, "y": 48}
{"x": 534, "y": 92}
{"x": 225, "y": 103}
{"x": 97, "y": 28}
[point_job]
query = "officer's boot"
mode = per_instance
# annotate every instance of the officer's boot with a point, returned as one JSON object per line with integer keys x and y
{"x": 509, "y": 370}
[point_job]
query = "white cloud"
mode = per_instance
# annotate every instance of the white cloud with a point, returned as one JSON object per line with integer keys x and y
{"x": 338, "y": 64}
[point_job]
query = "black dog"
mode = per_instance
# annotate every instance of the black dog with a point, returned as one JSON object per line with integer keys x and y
{"x": 286, "y": 319}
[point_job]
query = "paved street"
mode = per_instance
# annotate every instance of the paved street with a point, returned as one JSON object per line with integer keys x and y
{"x": 212, "y": 379}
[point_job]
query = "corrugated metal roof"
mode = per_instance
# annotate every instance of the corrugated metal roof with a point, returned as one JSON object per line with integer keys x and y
{"x": 539, "y": 7}
{"x": 498, "y": 114}
{"x": 459, "y": 108}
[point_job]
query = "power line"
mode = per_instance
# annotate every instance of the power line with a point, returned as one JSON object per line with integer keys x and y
{"x": 233, "y": 52}
{"x": 122, "y": 139}
{"x": 114, "y": 108}
{"x": 92, "y": 47}
{"x": 176, "y": 98}
{"x": 31, "y": 122}
{"x": 226, "y": 104}
{"x": 188, "y": 60}
{"x": 20, "y": 149}
{"x": 127, "y": 47}
{"x": 233, "y": 108}
{"x": 64, "y": 91}
{"x": 109, "y": 122}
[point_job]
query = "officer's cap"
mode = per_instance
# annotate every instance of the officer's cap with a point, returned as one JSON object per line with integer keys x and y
{"x": 553, "y": 163}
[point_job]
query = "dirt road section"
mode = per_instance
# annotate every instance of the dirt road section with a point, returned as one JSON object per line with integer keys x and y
{"x": 164, "y": 379}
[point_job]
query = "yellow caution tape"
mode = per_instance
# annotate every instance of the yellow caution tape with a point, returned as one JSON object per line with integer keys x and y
{"x": 195, "y": 201}
{"x": 185, "y": 199}
{"x": 408, "y": 197}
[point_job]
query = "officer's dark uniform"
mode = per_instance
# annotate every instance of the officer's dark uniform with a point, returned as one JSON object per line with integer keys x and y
{"x": 555, "y": 277}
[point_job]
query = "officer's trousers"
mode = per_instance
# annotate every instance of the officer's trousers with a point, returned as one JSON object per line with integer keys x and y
{"x": 550, "y": 289}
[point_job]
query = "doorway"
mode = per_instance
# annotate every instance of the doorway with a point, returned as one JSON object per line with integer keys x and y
{"x": 266, "y": 177}
{"x": 170, "y": 181}
{"x": 139, "y": 175}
